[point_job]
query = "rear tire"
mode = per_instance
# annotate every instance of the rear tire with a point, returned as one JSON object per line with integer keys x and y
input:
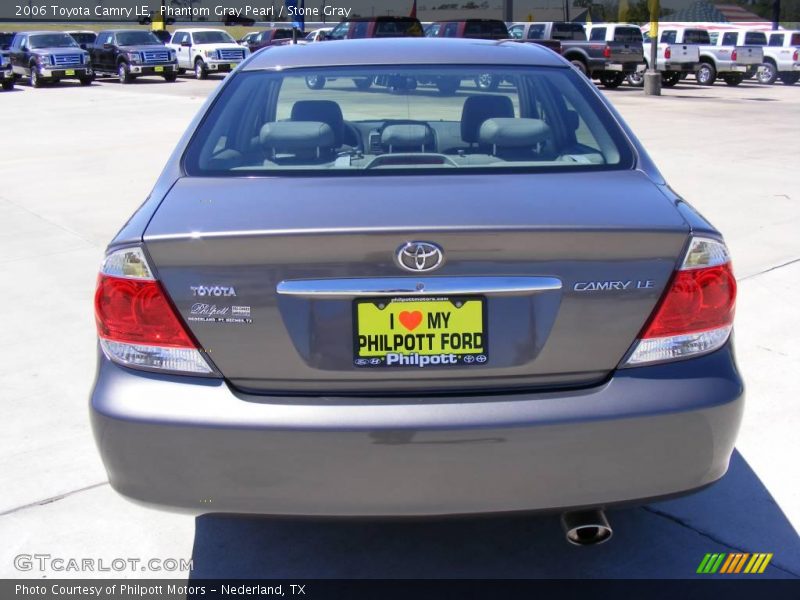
{"x": 124, "y": 73}
{"x": 487, "y": 82}
{"x": 636, "y": 79}
{"x": 315, "y": 82}
{"x": 768, "y": 74}
{"x": 789, "y": 78}
{"x": 580, "y": 65}
{"x": 200, "y": 71}
{"x": 611, "y": 80}
{"x": 733, "y": 79}
{"x": 706, "y": 74}
{"x": 670, "y": 79}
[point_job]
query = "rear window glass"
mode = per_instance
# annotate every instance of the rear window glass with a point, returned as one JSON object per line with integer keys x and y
{"x": 755, "y": 38}
{"x": 136, "y": 38}
{"x": 492, "y": 30}
{"x": 212, "y": 37}
{"x": 795, "y": 39}
{"x": 696, "y": 36}
{"x": 398, "y": 28}
{"x": 84, "y": 38}
{"x": 568, "y": 31}
{"x": 378, "y": 119}
{"x": 627, "y": 34}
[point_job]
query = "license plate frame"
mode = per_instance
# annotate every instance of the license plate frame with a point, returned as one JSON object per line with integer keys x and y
{"x": 69, "y": 72}
{"x": 158, "y": 69}
{"x": 437, "y": 342}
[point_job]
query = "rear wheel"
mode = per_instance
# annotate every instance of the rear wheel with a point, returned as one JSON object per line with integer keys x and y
{"x": 200, "y": 71}
{"x": 580, "y": 65}
{"x": 487, "y": 82}
{"x": 670, "y": 78}
{"x": 363, "y": 83}
{"x": 315, "y": 82}
{"x": 733, "y": 78}
{"x": 611, "y": 80}
{"x": 706, "y": 74}
{"x": 124, "y": 73}
{"x": 636, "y": 79}
{"x": 767, "y": 74}
{"x": 789, "y": 78}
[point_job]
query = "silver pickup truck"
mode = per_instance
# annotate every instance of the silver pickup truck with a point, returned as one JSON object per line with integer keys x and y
{"x": 732, "y": 55}
{"x": 781, "y": 58}
{"x": 674, "y": 59}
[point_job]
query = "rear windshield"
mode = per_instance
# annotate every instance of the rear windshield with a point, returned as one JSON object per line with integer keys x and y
{"x": 377, "y": 119}
{"x": 696, "y": 36}
{"x": 568, "y": 31}
{"x": 755, "y": 38}
{"x": 627, "y": 34}
{"x": 212, "y": 37}
{"x": 51, "y": 40}
{"x": 795, "y": 39}
{"x": 137, "y": 38}
{"x": 489, "y": 30}
{"x": 282, "y": 34}
{"x": 398, "y": 28}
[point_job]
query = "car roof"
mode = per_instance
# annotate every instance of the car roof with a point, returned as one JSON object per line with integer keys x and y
{"x": 43, "y": 31}
{"x": 404, "y": 51}
{"x": 198, "y": 29}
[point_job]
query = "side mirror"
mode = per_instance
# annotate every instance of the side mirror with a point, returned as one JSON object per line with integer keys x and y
{"x": 186, "y": 44}
{"x": 24, "y": 48}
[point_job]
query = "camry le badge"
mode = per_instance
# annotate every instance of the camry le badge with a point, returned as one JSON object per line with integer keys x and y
{"x": 419, "y": 256}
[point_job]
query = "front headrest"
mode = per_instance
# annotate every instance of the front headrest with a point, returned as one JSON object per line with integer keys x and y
{"x": 513, "y": 133}
{"x": 296, "y": 137}
{"x": 323, "y": 111}
{"x": 479, "y": 108}
{"x": 410, "y": 135}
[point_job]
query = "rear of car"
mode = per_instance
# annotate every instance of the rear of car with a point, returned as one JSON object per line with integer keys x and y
{"x": 425, "y": 305}
{"x": 623, "y": 51}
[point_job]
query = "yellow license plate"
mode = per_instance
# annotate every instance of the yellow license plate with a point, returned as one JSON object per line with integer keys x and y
{"x": 233, "y": 66}
{"x": 69, "y": 72}
{"x": 159, "y": 69}
{"x": 420, "y": 332}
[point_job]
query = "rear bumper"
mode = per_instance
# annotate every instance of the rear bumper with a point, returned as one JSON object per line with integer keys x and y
{"x": 680, "y": 67}
{"x": 197, "y": 446}
{"x": 628, "y": 67}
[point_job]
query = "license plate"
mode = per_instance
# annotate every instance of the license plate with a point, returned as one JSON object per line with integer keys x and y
{"x": 233, "y": 66}
{"x": 740, "y": 69}
{"x": 613, "y": 67}
{"x": 420, "y": 332}
{"x": 69, "y": 72}
{"x": 159, "y": 69}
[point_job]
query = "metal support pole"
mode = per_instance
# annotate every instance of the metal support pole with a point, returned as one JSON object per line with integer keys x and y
{"x": 652, "y": 77}
{"x": 508, "y": 10}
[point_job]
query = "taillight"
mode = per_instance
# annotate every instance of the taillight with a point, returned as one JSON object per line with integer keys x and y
{"x": 795, "y": 56}
{"x": 667, "y": 52}
{"x": 695, "y": 314}
{"x": 607, "y": 52}
{"x": 136, "y": 323}
{"x": 734, "y": 56}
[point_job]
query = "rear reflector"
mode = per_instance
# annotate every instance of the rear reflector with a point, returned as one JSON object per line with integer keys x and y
{"x": 734, "y": 55}
{"x": 136, "y": 323}
{"x": 667, "y": 52}
{"x": 607, "y": 52}
{"x": 695, "y": 314}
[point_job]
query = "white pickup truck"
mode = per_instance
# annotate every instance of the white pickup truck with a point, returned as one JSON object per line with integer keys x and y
{"x": 733, "y": 55}
{"x": 674, "y": 59}
{"x": 206, "y": 51}
{"x": 781, "y": 58}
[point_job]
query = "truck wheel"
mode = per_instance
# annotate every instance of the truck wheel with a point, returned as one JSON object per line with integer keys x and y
{"x": 315, "y": 82}
{"x": 170, "y": 77}
{"x": 36, "y": 79}
{"x": 448, "y": 86}
{"x": 8, "y": 84}
{"x": 200, "y": 71}
{"x": 670, "y": 78}
{"x": 487, "y": 82}
{"x": 611, "y": 80}
{"x": 124, "y": 73}
{"x": 733, "y": 79}
{"x": 789, "y": 78}
{"x": 579, "y": 64}
{"x": 87, "y": 80}
{"x": 181, "y": 71}
{"x": 767, "y": 74}
{"x": 706, "y": 74}
{"x": 636, "y": 79}
{"x": 363, "y": 83}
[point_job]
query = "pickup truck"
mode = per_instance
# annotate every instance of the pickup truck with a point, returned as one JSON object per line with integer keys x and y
{"x": 479, "y": 29}
{"x": 84, "y": 38}
{"x": 608, "y": 61}
{"x": 131, "y": 53}
{"x": 267, "y": 37}
{"x": 781, "y": 58}
{"x": 616, "y": 32}
{"x": 674, "y": 60}
{"x": 376, "y": 27}
{"x": 206, "y": 51}
{"x": 6, "y": 74}
{"x": 731, "y": 55}
{"x": 49, "y": 56}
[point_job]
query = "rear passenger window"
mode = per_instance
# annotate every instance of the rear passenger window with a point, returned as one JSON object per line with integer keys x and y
{"x": 669, "y": 37}
{"x": 729, "y": 38}
{"x": 598, "y": 34}
{"x": 776, "y": 39}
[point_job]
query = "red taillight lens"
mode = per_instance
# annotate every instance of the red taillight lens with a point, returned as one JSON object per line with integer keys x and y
{"x": 137, "y": 312}
{"x": 795, "y": 56}
{"x": 667, "y": 52}
{"x": 607, "y": 52}
{"x": 734, "y": 56}
{"x": 697, "y": 300}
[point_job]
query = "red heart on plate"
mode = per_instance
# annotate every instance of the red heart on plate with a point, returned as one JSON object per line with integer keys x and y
{"x": 410, "y": 320}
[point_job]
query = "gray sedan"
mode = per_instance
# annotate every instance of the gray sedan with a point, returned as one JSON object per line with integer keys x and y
{"x": 398, "y": 294}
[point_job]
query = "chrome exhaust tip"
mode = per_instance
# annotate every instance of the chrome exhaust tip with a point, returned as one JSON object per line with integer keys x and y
{"x": 586, "y": 527}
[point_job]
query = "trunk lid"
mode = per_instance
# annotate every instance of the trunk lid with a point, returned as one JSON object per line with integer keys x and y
{"x": 591, "y": 254}
{"x": 626, "y": 52}
{"x": 680, "y": 53}
{"x": 749, "y": 55}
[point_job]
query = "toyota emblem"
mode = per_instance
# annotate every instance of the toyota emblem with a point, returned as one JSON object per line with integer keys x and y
{"x": 420, "y": 256}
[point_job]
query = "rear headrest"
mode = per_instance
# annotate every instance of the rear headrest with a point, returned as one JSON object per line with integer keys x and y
{"x": 405, "y": 136}
{"x": 479, "y": 108}
{"x": 323, "y": 111}
{"x": 513, "y": 133}
{"x": 297, "y": 137}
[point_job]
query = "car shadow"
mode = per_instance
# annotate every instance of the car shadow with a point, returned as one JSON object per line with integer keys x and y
{"x": 661, "y": 540}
